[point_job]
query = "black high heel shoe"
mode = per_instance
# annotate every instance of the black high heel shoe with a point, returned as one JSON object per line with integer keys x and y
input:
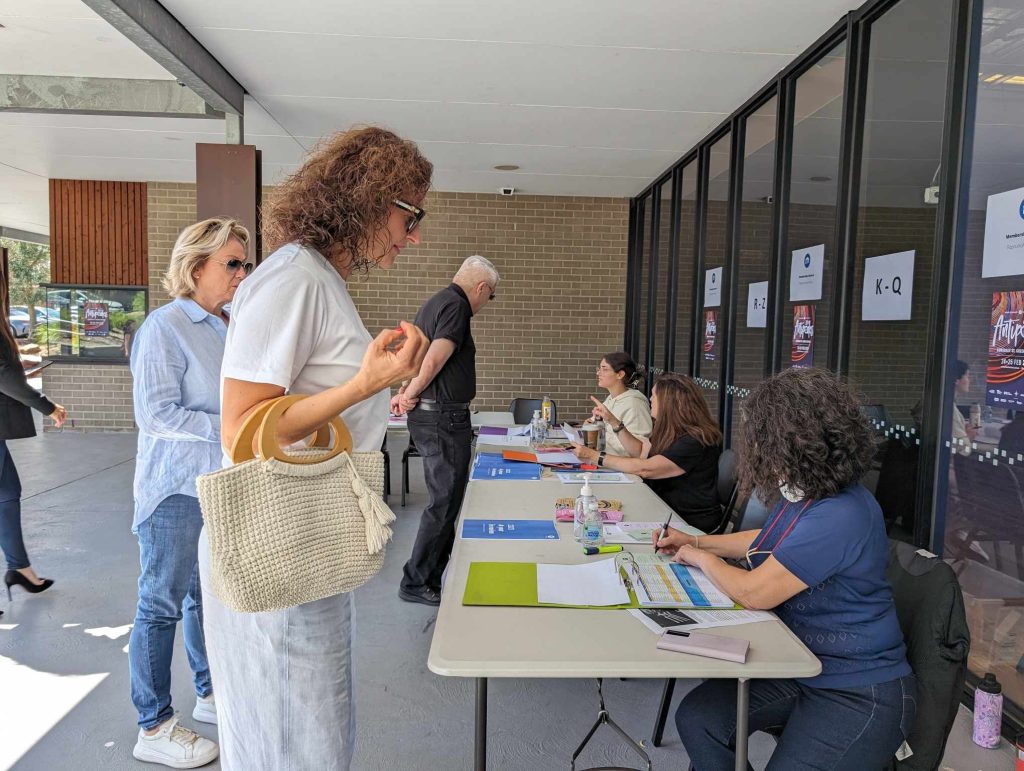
{"x": 14, "y": 578}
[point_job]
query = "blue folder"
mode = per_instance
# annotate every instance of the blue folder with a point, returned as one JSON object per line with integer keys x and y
{"x": 493, "y": 466}
{"x": 510, "y": 529}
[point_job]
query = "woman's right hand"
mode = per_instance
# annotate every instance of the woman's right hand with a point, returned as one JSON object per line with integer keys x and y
{"x": 671, "y": 540}
{"x": 386, "y": 364}
{"x": 59, "y": 415}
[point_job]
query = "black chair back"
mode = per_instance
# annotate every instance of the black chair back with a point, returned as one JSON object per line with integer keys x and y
{"x": 522, "y": 410}
{"x": 754, "y": 514}
{"x": 726, "y": 477}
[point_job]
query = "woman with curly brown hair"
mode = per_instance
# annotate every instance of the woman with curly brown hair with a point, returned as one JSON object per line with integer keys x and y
{"x": 680, "y": 460}
{"x": 820, "y": 562}
{"x": 283, "y": 678}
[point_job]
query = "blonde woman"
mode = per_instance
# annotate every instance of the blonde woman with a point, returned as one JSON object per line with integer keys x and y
{"x": 617, "y": 374}
{"x": 175, "y": 360}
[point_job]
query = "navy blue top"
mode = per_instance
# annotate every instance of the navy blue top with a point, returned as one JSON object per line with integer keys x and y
{"x": 846, "y": 616}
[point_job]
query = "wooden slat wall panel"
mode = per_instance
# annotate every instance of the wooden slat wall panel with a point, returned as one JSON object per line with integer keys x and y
{"x": 99, "y": 232}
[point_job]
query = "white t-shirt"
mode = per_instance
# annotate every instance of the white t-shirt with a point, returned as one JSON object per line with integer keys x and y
{"x": 294, "y": 324}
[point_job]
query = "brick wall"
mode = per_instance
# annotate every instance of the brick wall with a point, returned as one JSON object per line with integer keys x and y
{"x": 560, "y": 306}
{"x": 98, "y": 397}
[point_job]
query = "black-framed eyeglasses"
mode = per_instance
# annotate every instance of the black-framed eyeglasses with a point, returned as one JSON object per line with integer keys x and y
{"x": 417, "y": 214}
{"x": 492, "y": 295}
{"x": 234, "y": 265}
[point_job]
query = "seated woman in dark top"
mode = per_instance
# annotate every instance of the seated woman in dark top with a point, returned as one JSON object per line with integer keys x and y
{"x": 680, "y": 460}
{"x": 820, "y": 562}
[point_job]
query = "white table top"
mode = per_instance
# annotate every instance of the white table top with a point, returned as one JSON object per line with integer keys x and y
{"x": 474, "y": 641}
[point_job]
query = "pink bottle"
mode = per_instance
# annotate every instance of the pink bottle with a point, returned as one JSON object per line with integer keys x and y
{"x": 988, "y": 712}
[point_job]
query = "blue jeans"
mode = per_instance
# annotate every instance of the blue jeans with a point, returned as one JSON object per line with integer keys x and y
{"x": 11, "y": 541}
{"x": 851, "y": 728}
{"x": 168, "y": 592}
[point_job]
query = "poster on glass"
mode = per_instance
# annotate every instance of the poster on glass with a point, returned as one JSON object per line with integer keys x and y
{"x": 802, "y": 354}
{"x": 710, "y": 334}
{"x": 1004, "y": 376}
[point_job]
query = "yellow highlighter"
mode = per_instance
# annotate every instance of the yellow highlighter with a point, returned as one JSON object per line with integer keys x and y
{"x": 609, "y": 549}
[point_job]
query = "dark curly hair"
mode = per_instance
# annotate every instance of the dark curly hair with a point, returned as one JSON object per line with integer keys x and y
{"x": 340, "y": 200}
{"x": 804, "y": 427}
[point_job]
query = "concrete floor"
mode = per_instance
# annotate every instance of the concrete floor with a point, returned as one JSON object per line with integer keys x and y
{"x": 64, "y": 669}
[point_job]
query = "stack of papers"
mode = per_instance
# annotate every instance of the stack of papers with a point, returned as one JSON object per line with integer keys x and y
{"x": 592, "y": 583}
{"x": 659, "y": 582}
{"x": 596, "y": 477}
{"x": 658, "y": 620}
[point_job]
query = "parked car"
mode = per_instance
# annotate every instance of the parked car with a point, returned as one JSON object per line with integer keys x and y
{"x": 19, "y": 323}
{"x": 60, "y": 297}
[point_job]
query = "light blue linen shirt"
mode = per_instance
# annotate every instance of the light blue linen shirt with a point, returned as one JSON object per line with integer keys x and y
{"x": 175, "y": 362}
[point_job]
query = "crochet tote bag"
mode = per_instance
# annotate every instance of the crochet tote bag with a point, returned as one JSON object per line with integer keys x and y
{"x": 286, "y": 529}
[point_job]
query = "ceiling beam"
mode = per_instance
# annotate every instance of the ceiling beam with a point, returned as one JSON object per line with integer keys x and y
{"x": 101, "y": 96}
{"x": 153, "y": 29}
{"x": 23, "y": 235}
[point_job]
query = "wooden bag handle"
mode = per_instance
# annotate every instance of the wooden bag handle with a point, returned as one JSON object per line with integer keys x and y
{"x": 261, "y": 425}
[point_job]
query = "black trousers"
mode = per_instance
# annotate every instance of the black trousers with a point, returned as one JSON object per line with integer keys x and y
{"x": 445, "y": 441}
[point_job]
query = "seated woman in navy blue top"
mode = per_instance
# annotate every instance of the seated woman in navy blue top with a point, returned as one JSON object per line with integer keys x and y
{"x": 819, "y": 562}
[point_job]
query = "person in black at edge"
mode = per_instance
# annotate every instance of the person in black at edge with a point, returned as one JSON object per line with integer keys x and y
{"x": 437, "y": 402}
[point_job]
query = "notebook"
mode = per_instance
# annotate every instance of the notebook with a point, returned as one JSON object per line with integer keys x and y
{"x": 711, "y": 645}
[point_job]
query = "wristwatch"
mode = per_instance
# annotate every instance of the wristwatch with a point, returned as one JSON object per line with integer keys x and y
{"x": 600, "y": 459}
{"x": 619, "y": 427}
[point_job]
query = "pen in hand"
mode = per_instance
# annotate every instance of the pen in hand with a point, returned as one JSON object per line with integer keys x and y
{"x": 663, "y": 533}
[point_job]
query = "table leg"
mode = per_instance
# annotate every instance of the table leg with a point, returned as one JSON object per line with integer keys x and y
{"x": 480, "y": 747}
{"x": 742, "y": 722}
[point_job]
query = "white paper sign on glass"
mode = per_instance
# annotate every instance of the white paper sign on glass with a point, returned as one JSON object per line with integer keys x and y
{"x": 1004, "y": 235}
{"x": 888, "y": 287}
{"x": 713, "y": 287}
{"x": 805, "y": 273}
{"x": 757, "y": 304}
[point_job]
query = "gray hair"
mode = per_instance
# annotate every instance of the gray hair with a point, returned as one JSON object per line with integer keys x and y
{"x": 477, "y": 268}
{"x": 194, "y": 246}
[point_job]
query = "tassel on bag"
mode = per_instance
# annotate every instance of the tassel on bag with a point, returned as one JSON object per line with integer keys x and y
{"x": 376, "y": 513}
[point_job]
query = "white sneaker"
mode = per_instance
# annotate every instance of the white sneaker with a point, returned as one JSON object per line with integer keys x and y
{"x": 206, "y": 710}
{"x": 175, "y": 746}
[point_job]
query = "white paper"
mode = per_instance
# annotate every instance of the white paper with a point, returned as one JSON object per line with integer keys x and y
{"x": 572, "y": 434}
{"x": 641, "y": 532}
{"x": 576, "y": 477}
{"x": 592, "y": 583}
{"x": 713, "y": 287}
{"x": 549, "y": 456}
{"x": 1004, "y": 235}
{"x": 505, "y": 441}
{"x": 805, "y": 273}
{"x": 518, "y": 430}
{"x": 757, "y": 304}
{"x": 706, "y": 619}
{"x": 888, "y": 287}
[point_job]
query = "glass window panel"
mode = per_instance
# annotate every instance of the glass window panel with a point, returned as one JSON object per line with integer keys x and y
{"x": 684, "y": 270}
{"x": 754, "y": 264}
{"x": 712, "y": 316}
{"x": 661, "y": 280}
{"x": 905, "y": 112}
{"x": 811, "y": 230}
{"x": 642, "y": 274}
{"x": 90, "y": 323}
{"x": 984, "y": 515}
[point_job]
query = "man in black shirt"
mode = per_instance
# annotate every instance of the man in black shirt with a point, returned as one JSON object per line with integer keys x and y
{"x": 437, "y": 401}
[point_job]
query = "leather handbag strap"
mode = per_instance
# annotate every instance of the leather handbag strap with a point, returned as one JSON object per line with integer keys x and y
{"x": 261, "y": 426}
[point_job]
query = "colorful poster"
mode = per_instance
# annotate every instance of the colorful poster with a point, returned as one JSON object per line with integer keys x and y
{"x": 710, "y": 333}
{"x": 97, "y": 319}
{"x": 1005, "y": 372}
{"x": 803, "y": 336}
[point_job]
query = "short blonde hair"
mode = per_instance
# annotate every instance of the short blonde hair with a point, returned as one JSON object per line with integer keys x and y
{"x": 194, "y": 246}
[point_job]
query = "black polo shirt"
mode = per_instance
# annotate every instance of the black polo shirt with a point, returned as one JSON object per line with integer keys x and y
{"x": 446, "y": 316}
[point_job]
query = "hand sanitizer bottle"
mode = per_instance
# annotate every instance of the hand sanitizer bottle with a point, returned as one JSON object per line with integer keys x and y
{"x": 593, "y": 527}
{"x": 585, "y": 498}
{"x": 537, "y": 432}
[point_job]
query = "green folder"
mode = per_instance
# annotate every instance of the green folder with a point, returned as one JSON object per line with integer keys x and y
{"x": 515, "y": 584}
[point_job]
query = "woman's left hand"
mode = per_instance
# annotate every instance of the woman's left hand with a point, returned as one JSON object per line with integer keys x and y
{"x": 688, "y": 554}
{"x": 584, "y": 453}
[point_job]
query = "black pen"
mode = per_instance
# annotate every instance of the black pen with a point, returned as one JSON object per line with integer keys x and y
{"x": 677, "y": 633}
{"x": 664, "y": 531}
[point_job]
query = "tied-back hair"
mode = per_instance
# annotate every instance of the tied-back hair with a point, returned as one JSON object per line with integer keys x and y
{"x": 340, "y": 200}
{"x": 804, "y": 428}
{"x": 620, "y": 361}
{"x": 682, "y": 410}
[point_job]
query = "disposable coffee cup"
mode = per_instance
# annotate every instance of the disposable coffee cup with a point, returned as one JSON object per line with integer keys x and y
{"x": 590, "y": 434}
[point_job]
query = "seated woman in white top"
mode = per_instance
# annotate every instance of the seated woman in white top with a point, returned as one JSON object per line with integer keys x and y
{"x": 617, "y": 374}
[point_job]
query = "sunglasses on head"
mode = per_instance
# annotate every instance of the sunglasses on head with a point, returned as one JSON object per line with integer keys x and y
{"x": 234, "y": 265}
{"x": 417, "y": 214}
